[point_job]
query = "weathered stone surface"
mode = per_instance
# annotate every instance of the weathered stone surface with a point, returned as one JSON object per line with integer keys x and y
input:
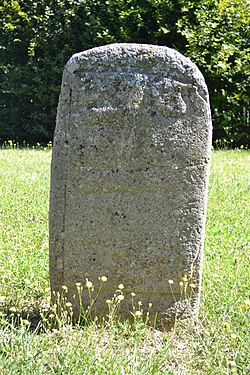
{"x": 129, "y": 176}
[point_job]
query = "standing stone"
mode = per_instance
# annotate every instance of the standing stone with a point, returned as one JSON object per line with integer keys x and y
{"x": 129, "y": 178}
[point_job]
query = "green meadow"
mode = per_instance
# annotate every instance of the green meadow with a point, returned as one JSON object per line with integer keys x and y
{"x": 35, "y": 340}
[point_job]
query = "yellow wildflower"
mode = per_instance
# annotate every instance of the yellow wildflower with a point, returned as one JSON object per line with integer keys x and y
{"x": 25, "y": 322}
{"x": 104, "y": 279}
{"x": 245, "y": 305}
{"x": 231, "y": 363}
{"x": 89, "y": 284}
{"x": 138, "y": 313}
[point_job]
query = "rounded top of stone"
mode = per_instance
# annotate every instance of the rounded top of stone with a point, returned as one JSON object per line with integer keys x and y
{"x": 137, "y": 58}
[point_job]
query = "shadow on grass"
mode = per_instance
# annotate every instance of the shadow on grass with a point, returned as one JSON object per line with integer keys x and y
{"x": 32, "y": 319}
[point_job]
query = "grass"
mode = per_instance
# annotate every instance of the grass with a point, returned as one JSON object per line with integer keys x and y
{"x": 31, "y": 342}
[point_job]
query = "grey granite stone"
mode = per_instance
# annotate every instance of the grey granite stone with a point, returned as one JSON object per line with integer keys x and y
{"x": 129, "y": 178}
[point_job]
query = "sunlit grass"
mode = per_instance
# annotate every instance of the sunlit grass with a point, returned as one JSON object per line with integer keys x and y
{"x": 47, "y": 344}
{"x": 24, "y": 193}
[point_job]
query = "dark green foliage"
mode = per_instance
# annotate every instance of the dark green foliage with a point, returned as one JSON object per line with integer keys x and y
{"x": 217, "y": 34}
{"x": 37, "y": 38}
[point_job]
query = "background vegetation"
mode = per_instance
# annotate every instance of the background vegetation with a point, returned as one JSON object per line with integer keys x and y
{"x": 30, "y": 341}
{"x": 38, "y": 37}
